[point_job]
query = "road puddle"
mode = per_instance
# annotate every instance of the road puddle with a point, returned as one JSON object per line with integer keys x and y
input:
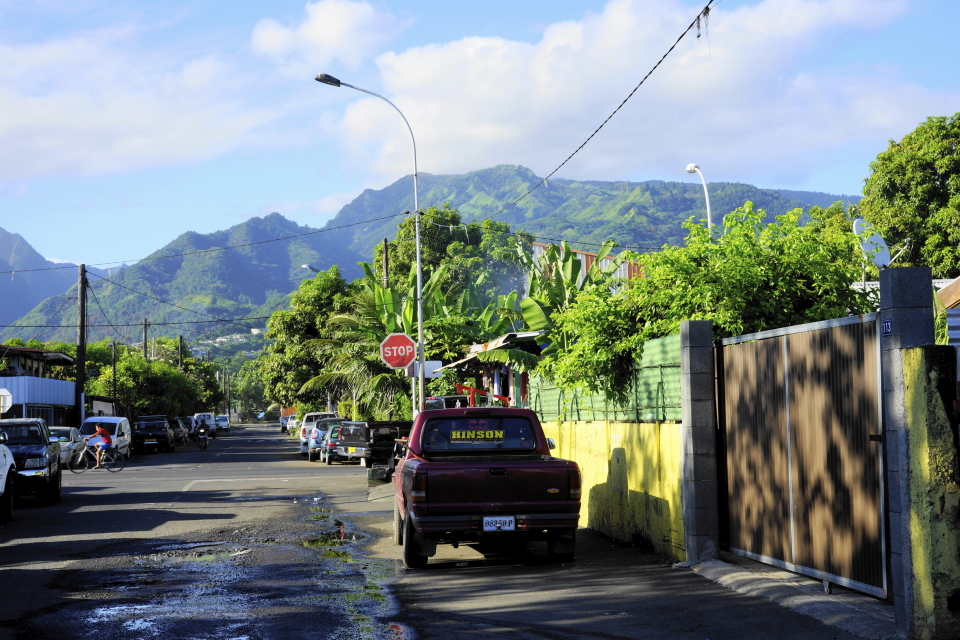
{"x": 241, "y": 589}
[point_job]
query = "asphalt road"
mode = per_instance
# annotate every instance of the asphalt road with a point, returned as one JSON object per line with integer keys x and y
{"x": 249, "y": 541}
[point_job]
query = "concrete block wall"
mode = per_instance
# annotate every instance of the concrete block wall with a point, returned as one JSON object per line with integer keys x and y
{"x": 701, "y": 516}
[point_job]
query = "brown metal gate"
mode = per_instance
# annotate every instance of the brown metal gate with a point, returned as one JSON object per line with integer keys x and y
{"x": 800, "y": 422}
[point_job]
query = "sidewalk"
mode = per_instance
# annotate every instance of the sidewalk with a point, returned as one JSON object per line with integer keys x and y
{"x": 618, "y": 591}
{"x": 855, "y": 613}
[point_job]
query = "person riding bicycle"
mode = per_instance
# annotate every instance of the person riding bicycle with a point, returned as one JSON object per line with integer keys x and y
{"x": 105, "y": 442}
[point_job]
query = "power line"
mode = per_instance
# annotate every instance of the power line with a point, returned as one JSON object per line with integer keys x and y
{"x": 104, "y": 313}
{"x": 234, "y": 246}
{"x": 705, "y": 12}
{"x": 115, "y": 325}
{"x": 147, "y": 295}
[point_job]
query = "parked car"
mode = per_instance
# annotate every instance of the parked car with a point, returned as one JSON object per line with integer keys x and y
{"x": 307, "y": 424}
{"x": 118, "y": 428}
{"x": 329, "y": 444}
{"x": 179, "y": 432}
{"x": 223, "y": 423}
{"x": 153, "y": 433}
{"x": 285, "y": 422}
{"x": 292, "y": 423}
{"x": 315, "y": 440}
{"x": 187, "y": 422}
{"x": 70, "y": 441}
{"x": 8, "y": 480}
{"x": 37, "y": 454}
{"x": 484, "y": 477}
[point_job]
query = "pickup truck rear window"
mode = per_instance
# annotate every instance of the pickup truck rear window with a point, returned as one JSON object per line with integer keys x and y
{"x": 476, "y": 433}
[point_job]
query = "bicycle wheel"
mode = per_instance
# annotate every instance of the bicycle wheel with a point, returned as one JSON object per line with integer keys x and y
{"x": 78, "y": 461}
{"x": 113, "y": 461}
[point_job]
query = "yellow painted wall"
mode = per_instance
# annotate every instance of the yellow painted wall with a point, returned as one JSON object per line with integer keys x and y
{"x": 631, "y": 479}
{"x": 934, "y": 492}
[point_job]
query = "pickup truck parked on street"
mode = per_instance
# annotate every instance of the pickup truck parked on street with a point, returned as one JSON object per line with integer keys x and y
{"x": 483, "y": 476}
{"x": 371, "y": 442}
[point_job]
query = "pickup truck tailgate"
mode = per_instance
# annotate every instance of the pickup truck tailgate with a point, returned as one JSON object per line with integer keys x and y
{"x": 498, "y": 487}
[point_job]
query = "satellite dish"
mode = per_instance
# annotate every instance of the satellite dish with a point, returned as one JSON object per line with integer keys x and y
{"x": 872, "y": 244}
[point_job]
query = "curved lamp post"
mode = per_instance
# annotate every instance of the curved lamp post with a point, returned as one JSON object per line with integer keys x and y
{"x": 334, "y": 82}
{"x": 692, "y": 168}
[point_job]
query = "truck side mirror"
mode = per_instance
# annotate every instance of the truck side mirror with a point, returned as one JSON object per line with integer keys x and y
{"x": 551, "y": 444}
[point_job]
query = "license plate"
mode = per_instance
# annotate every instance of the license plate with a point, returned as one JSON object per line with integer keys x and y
{"x": 149, "y": 442}
{"x": 351, "y": 449}
{"x": 499, "y": 523}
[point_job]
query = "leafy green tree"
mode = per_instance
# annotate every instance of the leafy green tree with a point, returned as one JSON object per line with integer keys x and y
{"x": 482, "y": 253}
{"x": 746, "y": 276}
{"x": 914, "y": 192}
{"x": 288, "y": 363}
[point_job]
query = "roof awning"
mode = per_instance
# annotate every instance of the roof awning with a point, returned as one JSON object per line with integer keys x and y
{"x": 524, "y": 340}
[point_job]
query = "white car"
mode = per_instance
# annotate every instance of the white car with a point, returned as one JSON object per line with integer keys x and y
{"x": 223, "y": 423}
{"x": 8, "y": 479}
{"x": 70, "y": 441}
{"x": 306, "y": 426}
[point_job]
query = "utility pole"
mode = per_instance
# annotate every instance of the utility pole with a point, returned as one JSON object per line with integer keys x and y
{"x": 145, "y": 325}
{"x": 81, "y": 359}
{"x": 113, "y": 390}
{"x": 386, "y": 265}
{"x": 180, "y": 353}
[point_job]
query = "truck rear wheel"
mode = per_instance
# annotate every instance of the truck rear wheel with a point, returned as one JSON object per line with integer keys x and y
{"x": 413, "y": 558}
{"x": 397, "y": 523}
{"x": 563, "y": 547}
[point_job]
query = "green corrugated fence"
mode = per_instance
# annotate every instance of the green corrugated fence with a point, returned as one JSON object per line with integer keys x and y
{"x": 654, "y": 391}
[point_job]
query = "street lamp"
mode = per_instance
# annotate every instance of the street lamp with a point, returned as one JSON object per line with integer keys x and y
{"x": 692, "y": 168}
{"x": 334, "y": 82}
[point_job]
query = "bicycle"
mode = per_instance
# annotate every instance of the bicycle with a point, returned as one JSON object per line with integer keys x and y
{"x": 111, "y": 460}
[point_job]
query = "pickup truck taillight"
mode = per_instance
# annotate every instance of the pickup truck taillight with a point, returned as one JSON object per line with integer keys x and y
{"x": 303, "y": 432}
{"x": 573, "y": 483}
{"x": 418, "y": 488}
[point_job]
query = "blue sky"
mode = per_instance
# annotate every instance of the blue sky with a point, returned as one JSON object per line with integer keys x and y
{"x": 123, "y": 125}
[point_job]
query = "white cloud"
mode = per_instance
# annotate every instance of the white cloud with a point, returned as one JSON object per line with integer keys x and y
{"x": 334, "y": 30}
{"x": 740, "y": 100}
{"x": 93, "y": 104}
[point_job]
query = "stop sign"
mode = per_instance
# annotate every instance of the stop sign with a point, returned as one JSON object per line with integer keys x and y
{"x": 398, "y": 350}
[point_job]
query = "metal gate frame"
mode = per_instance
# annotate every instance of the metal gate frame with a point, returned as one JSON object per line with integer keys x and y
{"x": 881, "y": 592}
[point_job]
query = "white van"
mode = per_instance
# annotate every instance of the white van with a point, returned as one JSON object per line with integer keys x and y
{"x": 119, "y": 429}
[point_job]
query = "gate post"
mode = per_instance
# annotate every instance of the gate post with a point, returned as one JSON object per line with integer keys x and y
{"x": 906, "y": 321}
{"x": 699, "y": 495}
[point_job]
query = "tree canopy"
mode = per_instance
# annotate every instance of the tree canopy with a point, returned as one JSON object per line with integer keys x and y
{"x": 914, "y": 192}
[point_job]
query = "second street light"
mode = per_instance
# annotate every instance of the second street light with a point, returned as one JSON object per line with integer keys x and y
{"x": 692, "y": 168}
{"x": 334, "y": 82}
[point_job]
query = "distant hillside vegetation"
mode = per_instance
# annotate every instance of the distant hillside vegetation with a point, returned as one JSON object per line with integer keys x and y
{"x": 251, "y": 280}
{"x": 587, "y": 212}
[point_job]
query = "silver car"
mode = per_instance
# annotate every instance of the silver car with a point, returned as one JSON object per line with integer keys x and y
{"x": 70, "y": 441}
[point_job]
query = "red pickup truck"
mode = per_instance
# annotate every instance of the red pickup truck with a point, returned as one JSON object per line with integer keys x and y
{"x": 482, "y": 476}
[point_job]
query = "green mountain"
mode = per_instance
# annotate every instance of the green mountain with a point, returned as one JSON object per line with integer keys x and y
{"x": 24, "y": 288}
{"x": 204, "y": 284}
{"x": 255, "y": 279}
{"x": 586, "y": 212}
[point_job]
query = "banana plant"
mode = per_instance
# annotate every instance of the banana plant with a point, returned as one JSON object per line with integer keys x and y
{"x": 555, "y": 282}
